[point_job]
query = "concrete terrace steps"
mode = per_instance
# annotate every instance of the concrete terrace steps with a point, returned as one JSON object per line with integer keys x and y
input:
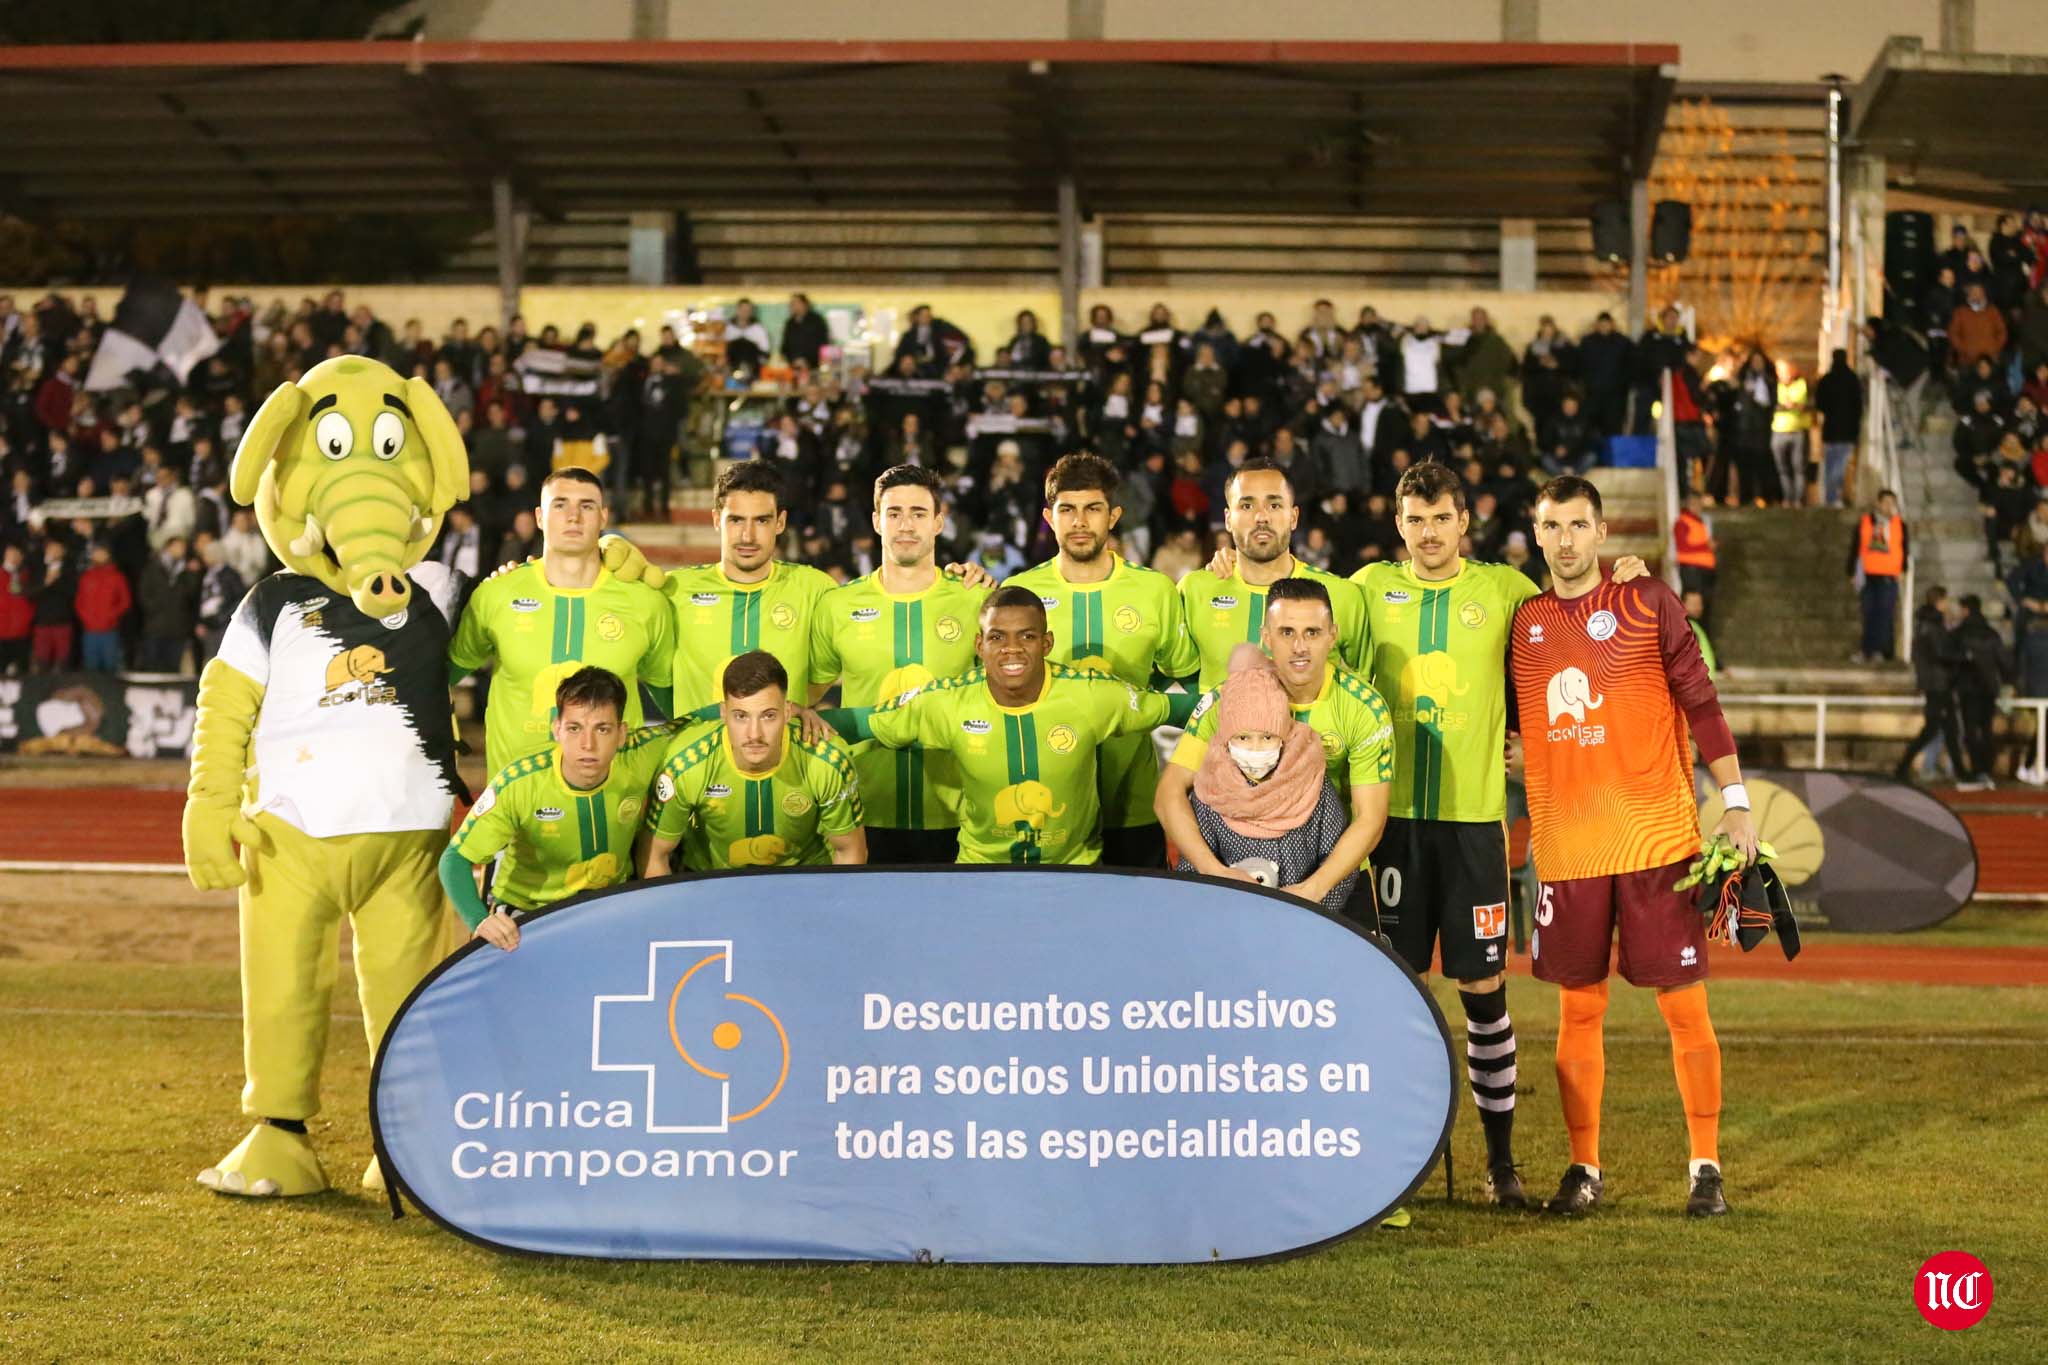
{"x": 1632, "y": 501}
{"x": 1782, "y": 599}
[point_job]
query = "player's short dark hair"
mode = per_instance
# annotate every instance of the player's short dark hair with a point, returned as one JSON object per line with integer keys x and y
{"x": 1428, "y": 481}
{"x": 755, "y": 671}
{"x": 1300, "y": 590}
{"x": 911, "y": 476}
{"x": 591, "y": 686}
{"x": 1011, "y": 595}
{"x": 574, "y": 473}
{"x": 1565, "y": 487}
{"x": 1258, "y": 464}
{"x": 1081, "y": 472}
{"x": 750, "y": 476}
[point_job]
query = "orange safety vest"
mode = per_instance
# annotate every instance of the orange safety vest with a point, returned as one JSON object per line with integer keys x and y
{"x": 1695, "y": 546}
{"x": 1883, "y": 556}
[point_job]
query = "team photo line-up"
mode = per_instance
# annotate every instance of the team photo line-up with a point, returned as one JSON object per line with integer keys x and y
{"x": 1344, "y": 740}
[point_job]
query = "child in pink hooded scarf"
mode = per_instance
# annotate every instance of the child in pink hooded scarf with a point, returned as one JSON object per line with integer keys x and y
{"x": 1261, "y": 798}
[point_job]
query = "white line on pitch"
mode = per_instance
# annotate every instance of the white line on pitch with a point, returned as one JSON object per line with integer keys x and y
{"x": 154, "y": 868}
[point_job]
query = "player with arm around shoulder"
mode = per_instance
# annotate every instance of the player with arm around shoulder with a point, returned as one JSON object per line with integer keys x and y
{"x": 751, "y": 791}
{"x": 536, "y": 623}
{"x": 1299, "y": 632}
{"x": 1612, "y": 695}
{"x": 564, "y": 816}
{"x": 1026, "y": 733}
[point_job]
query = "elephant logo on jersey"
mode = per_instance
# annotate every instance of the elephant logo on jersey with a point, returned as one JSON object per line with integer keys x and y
{"x": 545, "y": 684}
{"x": 362, "y": 664}
{"x": 1027, "y": 805}
{"x": 1428, "y": 681}
{"x": 353, "y": 674}
{"x": 1435, "y": 676}
{"x": 1570, "y": 694}
{"x": 757, "y": 850}
{"x": 1094, "y": 663}
{"x": 603, "y": 870}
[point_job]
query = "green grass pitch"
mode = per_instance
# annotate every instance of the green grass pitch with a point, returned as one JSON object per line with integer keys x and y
{"x": 1867, "y": 1127}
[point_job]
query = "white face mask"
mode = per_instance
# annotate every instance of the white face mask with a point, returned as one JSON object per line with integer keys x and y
{"x": 1254, "y": 763}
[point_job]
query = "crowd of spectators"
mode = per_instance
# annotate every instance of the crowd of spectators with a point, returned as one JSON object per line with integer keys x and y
{"x": 124, "y": 549}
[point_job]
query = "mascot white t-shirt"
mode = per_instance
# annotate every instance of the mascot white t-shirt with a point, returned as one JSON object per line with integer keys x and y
{"x": 355, "y": 735}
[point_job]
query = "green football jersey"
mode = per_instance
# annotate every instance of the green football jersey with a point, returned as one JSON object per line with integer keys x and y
{"x": 558, "y": 839}
{"x": 1130, "y": 625}
{"x": 725, "y": 816}
{"x": 877, "y": 645}
{"x": 1027, "y": 773}
{"x": 538, "y": 635}
{"x": 1439, "y": 654}
{"x": 1223, "y": 613}
{"x": 717, "y": 619}
{"x": 1351, "y": 720}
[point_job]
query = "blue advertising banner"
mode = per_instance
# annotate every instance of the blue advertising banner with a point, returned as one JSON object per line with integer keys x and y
{"x": 1027, "y": 1065}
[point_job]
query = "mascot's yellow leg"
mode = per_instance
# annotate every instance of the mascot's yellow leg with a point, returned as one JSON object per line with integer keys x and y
{"x": 291, "y": 909}
{"x": 401, "y": 931}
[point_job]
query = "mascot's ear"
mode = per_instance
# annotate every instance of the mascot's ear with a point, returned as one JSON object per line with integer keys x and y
{"x": 450, "y": 458}
{"x": 277, "y": 427}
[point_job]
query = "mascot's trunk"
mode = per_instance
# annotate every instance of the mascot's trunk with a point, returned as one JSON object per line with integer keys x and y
{"x": 366, "y": 521}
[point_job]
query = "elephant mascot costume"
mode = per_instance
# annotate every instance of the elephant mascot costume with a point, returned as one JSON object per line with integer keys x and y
{"x": 325, "y": 746}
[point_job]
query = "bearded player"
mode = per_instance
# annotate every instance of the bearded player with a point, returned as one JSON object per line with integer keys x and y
{"x": 750, "y": 599}
{"x": 1612, "y": 693}
{"x": 1226, "y": 602}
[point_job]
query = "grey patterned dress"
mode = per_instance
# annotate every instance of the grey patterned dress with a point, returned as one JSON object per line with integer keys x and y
{"x": 1284, "y": 861}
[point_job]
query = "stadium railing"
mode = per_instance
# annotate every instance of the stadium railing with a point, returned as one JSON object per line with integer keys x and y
{"x": 1821, "y": 701}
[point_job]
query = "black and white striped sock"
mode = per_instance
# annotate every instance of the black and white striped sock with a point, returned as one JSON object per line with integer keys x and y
{"x": 1490, "y": 1068}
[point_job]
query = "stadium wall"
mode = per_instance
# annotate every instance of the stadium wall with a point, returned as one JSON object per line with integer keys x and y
{"x": 1762, "y": 41}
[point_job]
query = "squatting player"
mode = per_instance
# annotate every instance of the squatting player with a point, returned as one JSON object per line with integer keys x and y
{"x": 882, "y": 635}
{"x": 1025, "y": 731}
{"x": 1226, "y": 602}
{"x": 564, "y": 815}
{"x": 1298, "y": 630}
{"x": 749, "y": 599}
{"x": 1112, "y": 616}
{"x": 751, "y": 791}
{"x": 548, "y": 618}
{"x": 1611, "y": 692}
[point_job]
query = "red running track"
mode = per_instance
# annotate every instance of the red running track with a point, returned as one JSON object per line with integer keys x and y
{"x": 140, "y": 825}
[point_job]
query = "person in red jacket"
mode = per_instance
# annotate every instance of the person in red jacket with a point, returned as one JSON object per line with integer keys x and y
{"x": 17, "y": 611}
{"x": 103, "y": 600}
{"x": 53, "y": 396}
